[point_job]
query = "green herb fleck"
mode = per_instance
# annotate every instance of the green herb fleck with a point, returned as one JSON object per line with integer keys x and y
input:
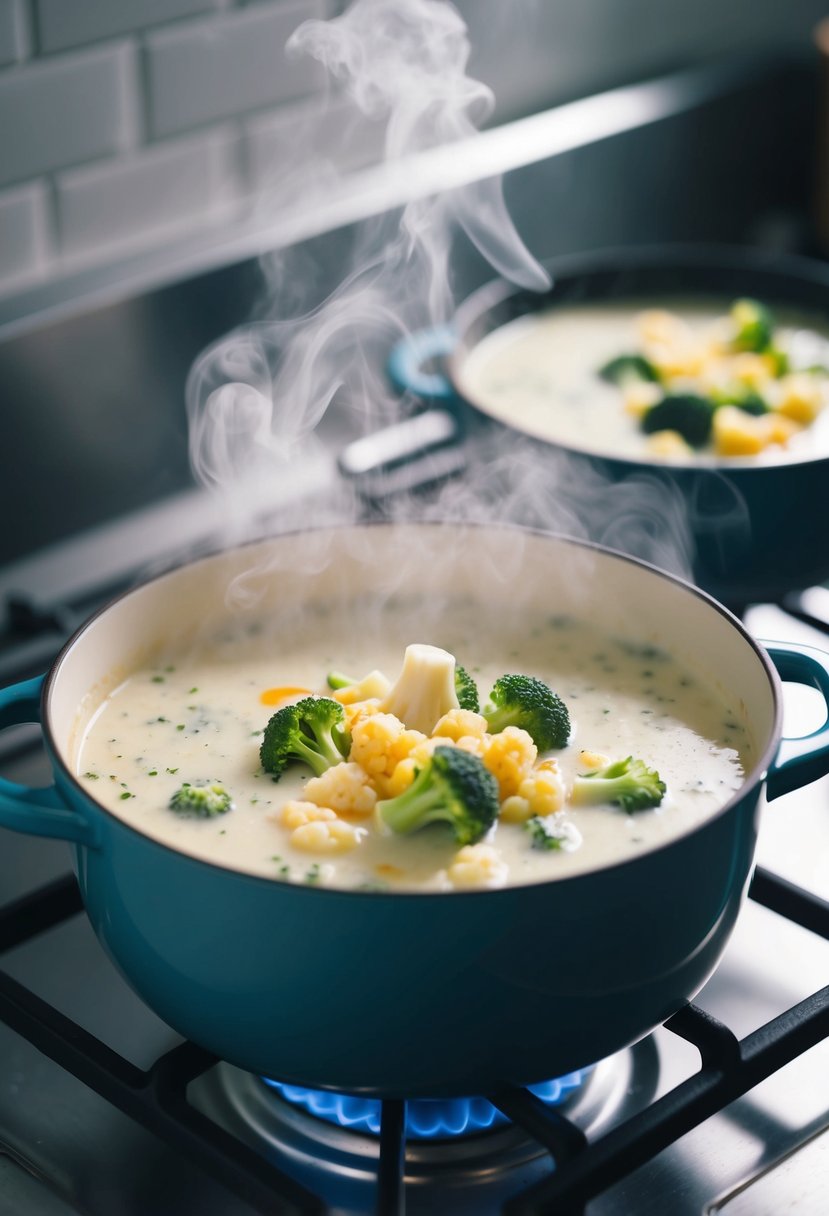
{"x": 172, "y": 770}
{"x": 180, "y": 726}
{"x": 91, "y": 776}
{"x": 153, "y": 772}
{"x": 126, "y": 795}
{"x": 158, "y": 679}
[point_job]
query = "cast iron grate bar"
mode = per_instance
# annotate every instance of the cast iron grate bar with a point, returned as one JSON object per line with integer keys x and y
{"x": 38, "y": 911}
{"x": 781, "y": 896}
{"x": 730, "y": 1075}
{"x": 391, "y": 1198}
{"x": 562, "y": 1139}
{"x": 157, "y": 1100}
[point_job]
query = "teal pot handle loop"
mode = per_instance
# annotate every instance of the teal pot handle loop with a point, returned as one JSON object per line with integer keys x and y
{"x": 405, "y": 364}
{"x": 38, "y": 812}
{"x": 805, "y": 759}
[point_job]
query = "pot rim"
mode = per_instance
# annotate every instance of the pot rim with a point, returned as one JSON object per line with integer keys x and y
{"x": 754, "y": 778}
{"x": 627, "y": 259}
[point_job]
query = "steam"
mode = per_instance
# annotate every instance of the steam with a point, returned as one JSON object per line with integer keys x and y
{"x": 258, "y": 396}
{"x": 267, "y": 400}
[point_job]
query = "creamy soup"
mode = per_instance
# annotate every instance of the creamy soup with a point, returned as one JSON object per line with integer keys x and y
{"x": 540, "y": 374}
{"x": 198, "y": 717}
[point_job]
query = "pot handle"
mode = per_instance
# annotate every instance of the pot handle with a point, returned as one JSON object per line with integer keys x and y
{"x": 405, "y": 363}
{"x": 802, "y": 760}
{"x": 36, "y": 811}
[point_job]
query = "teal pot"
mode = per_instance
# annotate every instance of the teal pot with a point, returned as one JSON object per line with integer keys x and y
{"x": 432, "y": 994}
{"x": 750, "y": 524}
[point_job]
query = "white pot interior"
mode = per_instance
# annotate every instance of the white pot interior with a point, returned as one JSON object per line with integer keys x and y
{"x": 348, "y": 576}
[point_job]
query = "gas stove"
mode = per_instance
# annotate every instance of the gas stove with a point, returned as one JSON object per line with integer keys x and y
{"x": 104, "y": 1111}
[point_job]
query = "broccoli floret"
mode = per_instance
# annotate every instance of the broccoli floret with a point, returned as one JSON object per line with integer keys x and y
{"x": 528, "y": 703}
{"x": 454, "y": 787}
{"x": 753, "y": 403}
{"x": 754, "y": 325}
{"x": 311, "y": 730}
{"x": 626, "y": 368}
{"x": 780, "y": 360}
{"x": 745, "y": 399}
{"x": 201, "y": 801}
{"x": 627, "y": 783}
{"x": 542, "y": 835}
{"x": 466, "y": 690}
{"x": 690, "y": 416}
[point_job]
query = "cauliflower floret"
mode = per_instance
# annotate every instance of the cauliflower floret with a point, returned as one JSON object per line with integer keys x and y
{"x": 639, "y": 396}
{"x": 402, "y": 777}
{"x": 425, "y": 688}
{"x": 345, "y": 788}
{"x": 509, "y": 756}
{"x": 675, "y": 362}
{"x": 296, "y": 813}
{"x": 779, "y": 428}
{"x": 476, "y": 744}
{"x": 753, "y": 370}
{"x": 543, "y": 789}
{"x": 801, "y": 398}
{"x": 325, "y": 836}
{"x": 478, "y": 865}
{"x": 460, "y": 722}
{"x": 737, "y": 433}
{"x": 359, "y": 710}
{"x": 663, "y": 328}
{"x": 591, "y": 762}
{"x": 669, "y": 445}
{"x": 316, "y": 829}
{"x": 515, "y": 809}
{"x": 379, "y": 742}
{"x": 422, "y": 752}
{"x": 374, "y": 686}
{"x": 540, "y": 793}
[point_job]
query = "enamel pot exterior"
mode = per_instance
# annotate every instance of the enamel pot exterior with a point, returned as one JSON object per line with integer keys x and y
{"x": 398, "y": 996}
{"x": 432, "y": 994}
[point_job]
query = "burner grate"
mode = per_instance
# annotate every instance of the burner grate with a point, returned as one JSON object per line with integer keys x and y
{"x": 157, "y": 1097}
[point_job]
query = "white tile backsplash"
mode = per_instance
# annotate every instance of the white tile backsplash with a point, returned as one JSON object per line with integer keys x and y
{"x": 66, "y": 23}
{"x": 122, "y": 121}
{"x": 23, "y": 232}
{"x": 316, "y": 134}
{"x": 204, "y": 71}
{"x": 61, "y": 111}
{"x": 14, "y": 41}
{"x": 176, "y": 185}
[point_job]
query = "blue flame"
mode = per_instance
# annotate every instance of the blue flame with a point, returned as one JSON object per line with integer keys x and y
{"x": 426, "y": 1118}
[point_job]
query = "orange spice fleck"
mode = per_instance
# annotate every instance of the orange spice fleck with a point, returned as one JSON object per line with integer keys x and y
{"x": 281, "y": 696}
{"x": 385, "y": 870}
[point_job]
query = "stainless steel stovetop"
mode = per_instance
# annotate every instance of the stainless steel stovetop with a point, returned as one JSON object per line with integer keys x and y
{"x": 104, "y": 1112}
